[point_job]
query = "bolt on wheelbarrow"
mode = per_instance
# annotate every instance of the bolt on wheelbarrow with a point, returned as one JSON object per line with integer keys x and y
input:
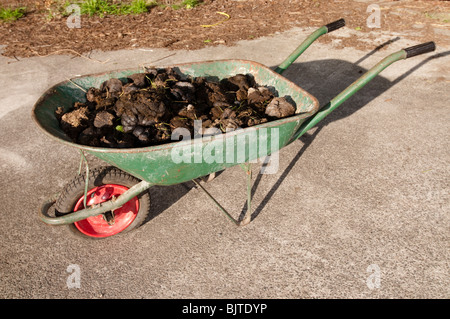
{"x": 115, "y": 199}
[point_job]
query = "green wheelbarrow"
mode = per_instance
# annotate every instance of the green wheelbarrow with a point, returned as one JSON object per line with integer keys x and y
{"x": 114, "y": 199}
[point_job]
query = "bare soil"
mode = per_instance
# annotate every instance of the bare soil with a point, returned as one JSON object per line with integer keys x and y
{"x": 36, "y": 35}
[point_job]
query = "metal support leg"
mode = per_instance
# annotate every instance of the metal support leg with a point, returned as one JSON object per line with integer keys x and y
{"x": 223, "y": 210}
{"x": 248, "y": 214}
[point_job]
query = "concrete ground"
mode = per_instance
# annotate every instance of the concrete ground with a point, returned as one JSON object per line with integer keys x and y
{"x": 359, "y": 207}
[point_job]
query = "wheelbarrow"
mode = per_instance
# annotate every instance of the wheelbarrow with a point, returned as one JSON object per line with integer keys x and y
{"x": 115, "y": 199}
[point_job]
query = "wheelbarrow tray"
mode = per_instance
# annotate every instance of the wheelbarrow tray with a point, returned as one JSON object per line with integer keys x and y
{"x": 156, "y": 164}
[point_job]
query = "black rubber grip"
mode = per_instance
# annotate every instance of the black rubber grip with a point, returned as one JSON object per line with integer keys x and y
{"x": 420, "y": 49}
{"x": 335, "y": 25}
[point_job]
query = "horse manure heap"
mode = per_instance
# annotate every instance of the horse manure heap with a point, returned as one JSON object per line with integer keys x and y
{"x": 146, "y": 109}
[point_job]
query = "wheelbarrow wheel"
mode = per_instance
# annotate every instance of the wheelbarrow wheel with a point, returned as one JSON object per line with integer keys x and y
{"x": 104, "y": 183}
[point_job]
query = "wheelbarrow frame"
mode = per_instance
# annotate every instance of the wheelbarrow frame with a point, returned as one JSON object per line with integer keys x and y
{"x": 309, "y": 114}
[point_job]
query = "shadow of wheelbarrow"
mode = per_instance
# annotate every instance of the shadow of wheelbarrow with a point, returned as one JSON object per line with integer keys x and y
{"x": 312, "y": 79}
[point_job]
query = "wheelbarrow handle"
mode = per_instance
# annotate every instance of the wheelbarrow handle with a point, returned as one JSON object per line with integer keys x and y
{"x": 335, "y": 25}
{"x": 420, "y": 49}
{"x": 361, "y": 82}
{"x": 307, "y": 42}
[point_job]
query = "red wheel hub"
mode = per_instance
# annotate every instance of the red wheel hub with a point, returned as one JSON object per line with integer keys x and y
{"x": 97, "y": 226}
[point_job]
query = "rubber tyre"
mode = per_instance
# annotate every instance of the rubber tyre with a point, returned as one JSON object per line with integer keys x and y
{"x": 105, "y": 175}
